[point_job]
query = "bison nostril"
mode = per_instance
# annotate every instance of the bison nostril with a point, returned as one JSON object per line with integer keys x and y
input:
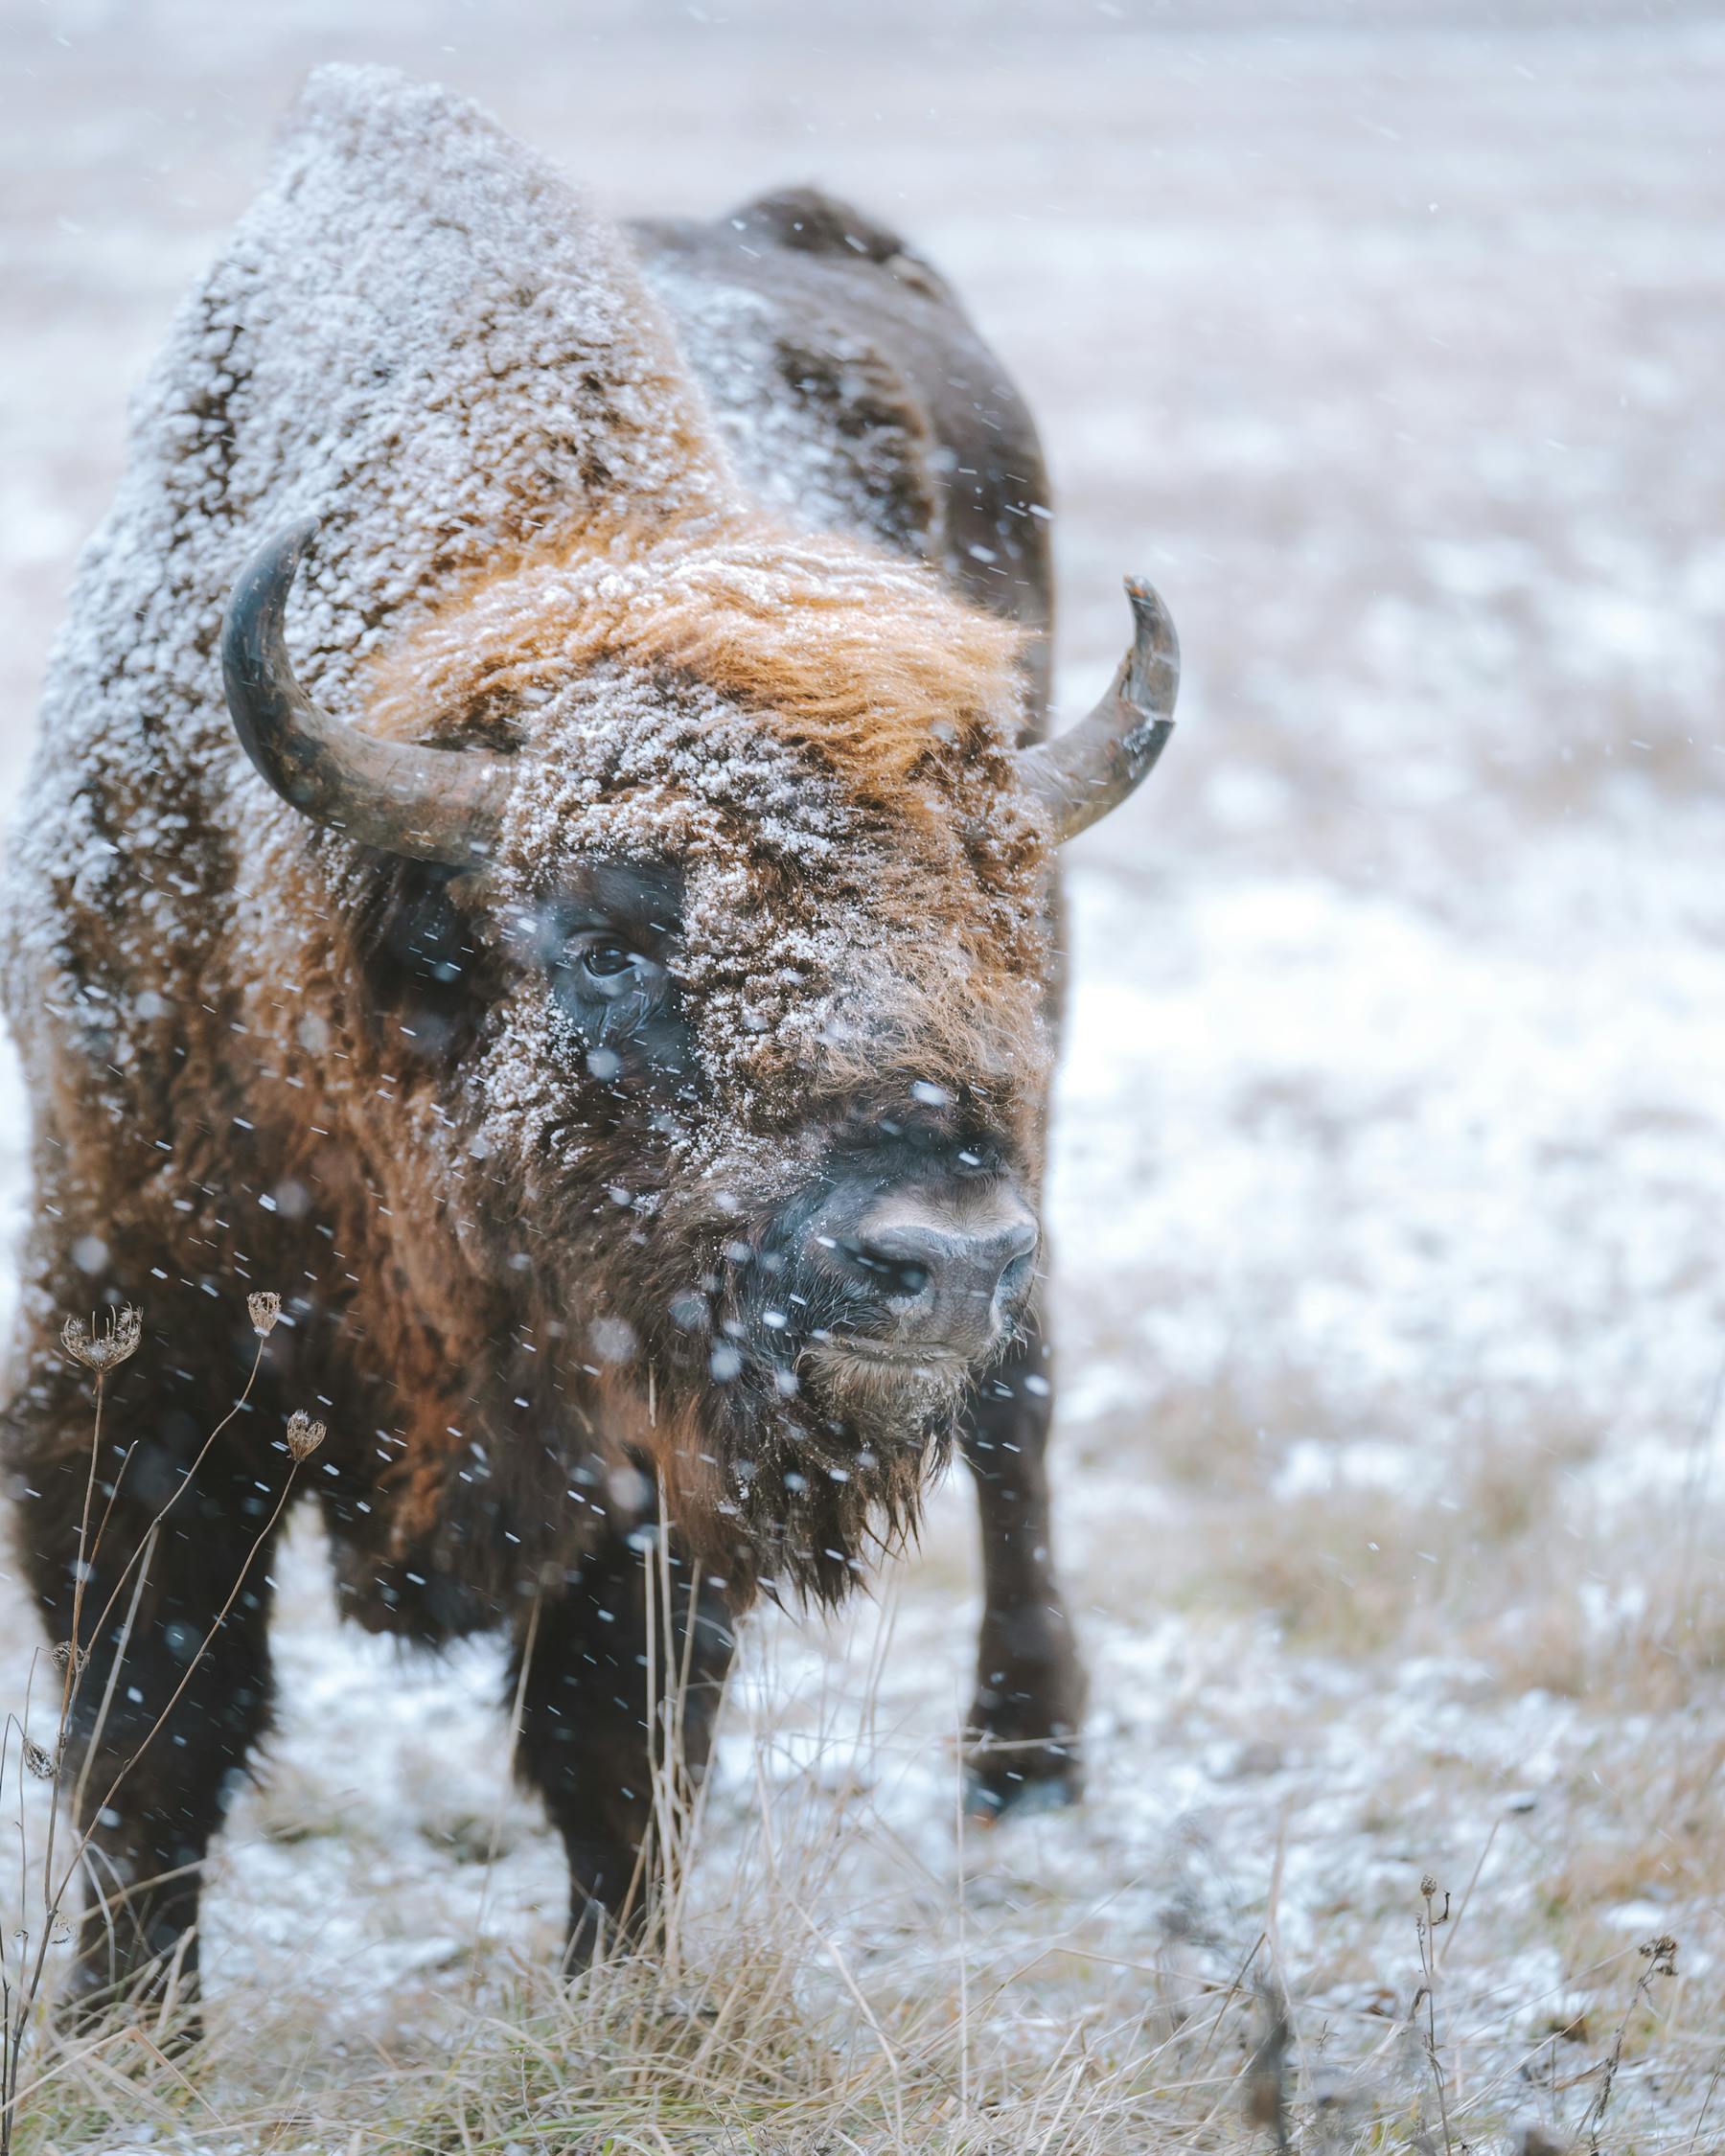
{"x": 906, "y": 1277}
{"x": 896, "y": 1275}
{"x": 1014, "y": 1283}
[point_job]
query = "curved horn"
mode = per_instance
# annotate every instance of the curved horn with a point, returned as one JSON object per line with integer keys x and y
{"x": 1093, "y": 765}
{"x": 433, "y": 804}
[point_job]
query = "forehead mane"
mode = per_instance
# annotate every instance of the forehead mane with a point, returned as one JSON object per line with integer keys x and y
{"x": 866, "y": 660}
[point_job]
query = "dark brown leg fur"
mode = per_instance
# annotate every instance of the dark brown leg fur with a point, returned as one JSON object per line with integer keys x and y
{"x": 585, "y": 1736}
{"x": 174, "y": 1776}
{"x": 1029, "y": 1703}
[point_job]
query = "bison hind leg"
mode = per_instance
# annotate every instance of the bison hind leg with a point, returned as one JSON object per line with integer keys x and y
{"x": 1028, "y": 1710}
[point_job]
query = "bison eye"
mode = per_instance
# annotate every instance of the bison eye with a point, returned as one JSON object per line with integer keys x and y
{"x": 609, "y": 971}
{"x": 606, "y": 960}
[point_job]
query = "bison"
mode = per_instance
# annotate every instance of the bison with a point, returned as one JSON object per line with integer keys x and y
{"x": 597, "y": 964}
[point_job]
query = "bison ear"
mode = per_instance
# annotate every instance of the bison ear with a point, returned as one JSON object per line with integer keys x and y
{"x": 1092, "y": 767}
{"x": 439, "y": 805}
{"x": 430, "y": 976}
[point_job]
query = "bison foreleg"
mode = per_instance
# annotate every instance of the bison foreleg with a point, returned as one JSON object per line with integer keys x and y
{"x": 612, "y": 1695}
{"x": 167, "y": 1702}
{"x": 1029, "y": 1702}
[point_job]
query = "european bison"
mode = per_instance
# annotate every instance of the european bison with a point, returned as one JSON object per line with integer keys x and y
{"x": 598, "y": 964}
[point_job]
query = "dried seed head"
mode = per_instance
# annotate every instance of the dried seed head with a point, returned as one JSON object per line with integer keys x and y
{"x": 304, "y": 1436}
{"x": 41, "y": 1763}
{"x": 61, "y": 1655}
{"x": 102, "y": 1349}
{"x": 1428, "y": 1888}
{"x": 265, "y": 1307}
{"x": 1662, "y": 1954}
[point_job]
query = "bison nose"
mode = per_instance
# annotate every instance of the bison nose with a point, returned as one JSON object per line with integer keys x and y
{"x": 951, "y": 1284}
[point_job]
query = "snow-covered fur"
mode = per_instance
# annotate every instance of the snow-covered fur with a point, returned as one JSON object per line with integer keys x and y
{"x": 262, "y": 1057}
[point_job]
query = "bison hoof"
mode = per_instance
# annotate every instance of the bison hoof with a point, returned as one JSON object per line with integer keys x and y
{"x": 1017, "y": 1784}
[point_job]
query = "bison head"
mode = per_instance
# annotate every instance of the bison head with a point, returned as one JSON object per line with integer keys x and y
{"x": 716, "y": 885}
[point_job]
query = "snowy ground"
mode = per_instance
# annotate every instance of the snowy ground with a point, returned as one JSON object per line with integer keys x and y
{"x": 1390, "y": 1161}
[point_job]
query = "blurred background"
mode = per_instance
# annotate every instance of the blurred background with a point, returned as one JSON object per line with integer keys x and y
{"x": 1388, "y": 338}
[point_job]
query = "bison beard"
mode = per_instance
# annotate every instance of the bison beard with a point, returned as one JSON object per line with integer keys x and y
{"x": 616, "y": 1013}
{"x": 821, "y": 1453}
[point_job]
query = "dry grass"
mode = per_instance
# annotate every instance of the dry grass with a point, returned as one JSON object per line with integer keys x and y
{"x": 813, "y": 1988}
{"x": 755, "y": 2019}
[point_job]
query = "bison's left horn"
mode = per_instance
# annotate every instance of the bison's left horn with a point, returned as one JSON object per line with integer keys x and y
{"x": 1093, "y": 766}
{"x": 432, "y": 804}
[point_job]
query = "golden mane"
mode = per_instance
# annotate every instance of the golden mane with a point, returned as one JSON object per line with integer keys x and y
{"x": 838, "y": 647}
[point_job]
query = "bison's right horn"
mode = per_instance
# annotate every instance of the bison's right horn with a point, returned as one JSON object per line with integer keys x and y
{"x": 432, "y": 804}
{"x": 1093, "y": 766}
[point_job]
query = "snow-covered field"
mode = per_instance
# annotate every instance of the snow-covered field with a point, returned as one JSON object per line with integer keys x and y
{"x": 1390, "y": 1161}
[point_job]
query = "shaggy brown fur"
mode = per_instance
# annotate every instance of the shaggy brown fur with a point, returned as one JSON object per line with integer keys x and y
{"x": 546, "y": 1237}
